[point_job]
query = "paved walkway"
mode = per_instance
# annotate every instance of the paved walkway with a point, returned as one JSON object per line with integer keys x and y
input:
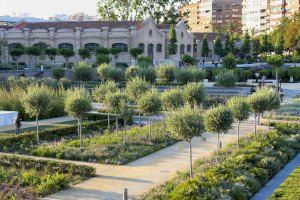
{"x": 275, "y": 182}
{"x": 145, "y": 173}
{"x": 29, "y": 124}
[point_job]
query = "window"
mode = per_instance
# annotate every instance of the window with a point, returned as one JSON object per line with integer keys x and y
{"x": 150, "y": 50}
{"x": 182, "y": 49}
{"x": 182, "y": 35}
{"x": 65, "y": 46}
{"x": 15, "y": 46}
{"x": 159, "y": 48}
{"x": 150, "y": 33}
{"x": 121, "y": 46}
{"x": 41, "y": 45}
{"x": 142, "y": 47}
{"x": 92, "y": 46}
{"x": 189, "y": 48}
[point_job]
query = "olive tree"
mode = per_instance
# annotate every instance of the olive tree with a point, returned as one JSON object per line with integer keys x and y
{"x": 58, "y": 72}
{"x": 100, "y": 92}
{"x": 184, "y": 124}
{"x": 51, "y": 53}
{"x": 78, "y": 102}
{"x": 37, "y": 101}
{"x": 166, "y": 73}
{"x": 273, "y": 102}
{"x": 172, "y": 99}
{"x": 135, "y": 88}
{"x": 126, "y": 112}
{"x": 103, "y": 71}
{"x": 227, "y": 78}
{"x": 114, "y": 101}
{"x": 194, "y": 94}
{"x": 218, "y": 120}
{"x": 149, "y": 104}
{"x": 276, "y": 61}
{"x": 83, "y": 72}
{"x": 259, "y": 103}
{"x": 84, "y": 53}
{"x": 16, "y": 53}
{"x": 67, "y": 54}
{"x": 241, "y": 111}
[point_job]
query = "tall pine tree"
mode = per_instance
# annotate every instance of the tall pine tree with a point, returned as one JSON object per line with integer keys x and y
{"x": 205, "y": 48}
{"x": 218, "y": 48}
{"x": 172, "y": 46}
{"x": 246, "y": 48}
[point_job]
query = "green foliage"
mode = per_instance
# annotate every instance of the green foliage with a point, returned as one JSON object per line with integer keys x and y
{"x": 57, "y": 72}
{"x": 194, "y": 94}
{"x": 100, "y": 92}
{"x": 115, "y": 101}
{"x": 218, "y": 119}
{"x": 147, "y": 74}
{"x": 144, "y": 62}
{"x": 229, "y": 61}
{"x": 51, "y": 53}
{"x": 102, "y": 50}
{"x": 135, "y": 52}
{"x": 240, "y": 108}
{"x": 289, "y": 189}
{"x": 102, "y": 71}
{"x": 66, "y": 53}
{"x": 227, "y": 78}
{"x": 218, "y": 48}
{"x": 78, "y": 102}
{"x": 259, "y": 102}
{"x": 102, "y": 59}
{"x": 205, "y": 47}
{"x": 172, "y": 46}
{"x": 37, "y": 100}
{"x": 275, "y": 61}
{"x": 135, "y": 88}
{"x": 131, "y": 72}
{"x": 150, "y": 102}
{"x": 185, "y": 123}
{"x": 246, "y": 48}
{"x": 172, "y": 99}
{"x": 184, "y": 76}
{"x": 166, "y": 73}
{"x": 188, "y": 60}
{"x": 84, "y": 53}
{"x": 83, "y": 72}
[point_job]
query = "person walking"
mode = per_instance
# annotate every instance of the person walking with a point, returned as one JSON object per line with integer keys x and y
{"x": 18, "y": 124}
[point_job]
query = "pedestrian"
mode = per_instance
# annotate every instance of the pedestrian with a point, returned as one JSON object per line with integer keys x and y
{"x": 281, "y": 93}
{"x": 18, "y": 124}
{"x": 252, "y": 90}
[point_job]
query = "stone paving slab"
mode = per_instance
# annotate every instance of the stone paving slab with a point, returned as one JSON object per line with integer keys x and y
{"x": 275, "y": 182}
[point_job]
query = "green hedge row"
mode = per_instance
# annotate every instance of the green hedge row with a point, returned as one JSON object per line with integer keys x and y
{"x": 51, "y": 166}
{"x": 22, "y": 143}
{"x": 235, "y": 173}
{"x": 287, "y": 128}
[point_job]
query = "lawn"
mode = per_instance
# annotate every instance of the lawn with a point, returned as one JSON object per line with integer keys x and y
{"x": 290, "y": 188}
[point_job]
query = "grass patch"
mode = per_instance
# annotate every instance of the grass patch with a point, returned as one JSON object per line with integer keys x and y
{"x": 290, "y": 188}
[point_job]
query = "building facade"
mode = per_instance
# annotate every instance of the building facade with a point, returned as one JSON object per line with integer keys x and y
{"x": 213, "y": 13}
{"x": 264, "y": 15}
{"x": 124, "y": 35}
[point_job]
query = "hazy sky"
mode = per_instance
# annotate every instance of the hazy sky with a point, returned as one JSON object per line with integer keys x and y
{"x": 47, "y": 8}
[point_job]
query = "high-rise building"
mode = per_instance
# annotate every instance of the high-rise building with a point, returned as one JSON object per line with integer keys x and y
{"x": 212, "y": 13}
{"x": 263, "y": 16}
{"x": 80, "y": 16}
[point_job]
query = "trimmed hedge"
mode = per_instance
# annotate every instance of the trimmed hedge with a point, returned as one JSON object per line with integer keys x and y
{"x": 234, "y": 173}
{"x": 24, "y": 142}
{"x": 287, "y": 128}
{"x": 51, "y": 166}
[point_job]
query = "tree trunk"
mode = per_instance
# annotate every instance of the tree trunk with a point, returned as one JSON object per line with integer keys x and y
{"x": 117, "y": 123}
{"x": 17, "y": 64}
{"x": 218, "y": 147}
{"x": 78, "y": 128}
{"x": 150, "y": 129}
{"x": 277, "y": 78}
{"x": 238, "y": 134}
{"x": 191, "y": 159}
{"x": 108, "y": 120}
{"x": 125, "y": 134}
{"x": 255, "y": 125}
{"x": 140, "y": 120}
{"x": 80, "y": 131}
{"x": 37, "y": 130}
{"x": 269, "y": 119}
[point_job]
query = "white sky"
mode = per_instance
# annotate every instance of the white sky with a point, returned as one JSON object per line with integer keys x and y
{"x": 47, "y": 8}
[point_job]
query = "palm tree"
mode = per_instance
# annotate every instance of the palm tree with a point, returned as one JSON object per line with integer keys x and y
{"x": 253, "y": 32}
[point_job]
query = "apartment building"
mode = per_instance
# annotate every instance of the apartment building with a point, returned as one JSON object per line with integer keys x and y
{"x": 212, "y": 13}
{"x": 264, "y": 15}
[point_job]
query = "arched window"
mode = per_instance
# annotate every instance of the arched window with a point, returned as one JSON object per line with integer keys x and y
{"x": 189, "y": 48}
{"x": 182, "y": 34}
{"x": 150, "y": 50}
{"x": 182, "y": 49}
{"x": 15, "y": 46}
{"x": 142, "y": 46}
{"x": 121, "y": 46}
{"x": 65, "y": 46}
{"x": 159, "y": 48}
{"x": 92, "y": 47}
{"x": 41, "y": 45}
{"x": 150, "y": 33}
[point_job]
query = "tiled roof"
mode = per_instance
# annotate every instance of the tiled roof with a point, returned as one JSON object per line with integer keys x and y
{"x": 85, "y": 25}
{"x": 6, "y": 27}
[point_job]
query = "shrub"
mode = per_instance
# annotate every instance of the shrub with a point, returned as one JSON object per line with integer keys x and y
{"x": 147, "y": 74}
{"x": 188, "y": 60}
{"x": 102, "y": 59}
{"x": 198, "y": 74}
{"x": 131, "y": 72}
{"x": 166, "y": 74}
{"x": 172, "y": 99}
{"x": 144, "y": 61}
{"x": 83, "y": 72}
{"x": 116, "y": 75}
{"x": 227, "y": 78}
{"x": 100, "y": 91}
{"x": 184, "y": 76}
{"x": 194, "y": 94}
{"x": 135, "y": 88}
{"x": 229, "y": 61}
{"x": 57, "y": 72}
